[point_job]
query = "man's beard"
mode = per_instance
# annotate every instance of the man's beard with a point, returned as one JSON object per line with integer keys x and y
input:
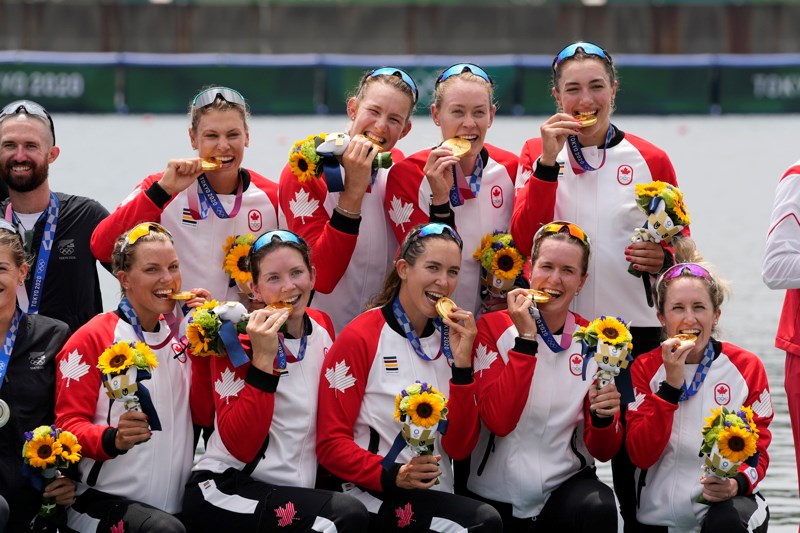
{"x": 24, "y": 184}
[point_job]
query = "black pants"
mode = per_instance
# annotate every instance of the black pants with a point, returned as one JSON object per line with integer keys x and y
{"x": 730, "y": 516}
{"x": 233, "y": 501}
{"x": 425, "y": 510}
{"x": 622, "y": 469}
{"x": 135, "y": 517}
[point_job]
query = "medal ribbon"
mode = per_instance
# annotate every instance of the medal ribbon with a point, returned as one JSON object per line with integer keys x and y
{"x": 577, "y": 155}
{"x": 8, "y": 345}
{"x": 474, "y": 183}
{"x": 43, "y": 255}
{"x": 284, "y": 354}
{"x": 208, "y": 198}
{"x": 547, "y": 337}
{"x": 402, "y": 319}
{"x": 127, "y": 310}
{"x": 699, "y": 374}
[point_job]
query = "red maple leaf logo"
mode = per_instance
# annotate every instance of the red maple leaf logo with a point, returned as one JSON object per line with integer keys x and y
{"x": 405, "y": 515}
{"x": 496, "y": 192}
{"x": 625, "y": 170}
{"x": 576, "y": 359}
{"x": 286, "y": 515}
{"x": 254, "y": 216}
{"x": 722, "y": 389}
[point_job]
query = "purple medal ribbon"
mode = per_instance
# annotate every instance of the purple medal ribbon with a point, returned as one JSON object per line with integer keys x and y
{"x": 206, "y": 197}
{"x": 566, "y": 334}
{"x": 577, "y": 155}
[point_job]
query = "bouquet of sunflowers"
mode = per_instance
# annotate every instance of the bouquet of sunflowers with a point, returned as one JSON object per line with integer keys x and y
{"x": 124, "y": 365}
{"x": 666, "y": 214}
{"x": 310, "y": 156}
{"x": 608, "y": 340}
{"x": 729, "y": 439}
{"x": 237, "y": 248}
{"x": 48, "y": 449}
{"x": 500, "y": 261}
{"x": 214, "y": 328}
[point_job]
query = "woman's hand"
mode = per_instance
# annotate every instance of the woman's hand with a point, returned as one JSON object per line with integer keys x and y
{"x": 419, "y": 473}
{"x": 645, "y": 256}
{"x": 555, "y": 131}
{"x": 62, "y": 489}
{"x": 519, "y": 305}
{"x": 718, "y": 489}
{"x": 180, "y": 174}
{"x": 262, "y": 328}
{"x": 132, "y": 428}
{"x": 439, "y": 173}
{"x": 674, "y": 354}
{"x": 201, "y": 296}
{"x": 357, "y": 163}
{"x": 462, "y": 335}
{"x": 604, "y": 402}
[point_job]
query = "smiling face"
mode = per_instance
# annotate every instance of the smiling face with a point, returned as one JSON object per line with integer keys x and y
{"x": 464, "y": 109}
{"x": 26, "y": 152}
{"x": 559, "y": 271}
{"x": 584, "y": 86}
{"x": 381, "y": 112}
{"x": 434, "y": 274}
{"x": 152, "y": 274}
{"x": 687, "y": 308}
{"x": 222, "y": 135}
{"x": 284, "y": 276}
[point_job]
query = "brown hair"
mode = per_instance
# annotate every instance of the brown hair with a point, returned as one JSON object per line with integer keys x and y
{"x": 220, "y": 104}
{"x": 254, "y": 258}
{"x": 124, "y": 253}
{"x": 13, "y": 241}
{"x": 580, "y": 55}
{"x": 561, "y": 236}
{"x": 387, "y": 79}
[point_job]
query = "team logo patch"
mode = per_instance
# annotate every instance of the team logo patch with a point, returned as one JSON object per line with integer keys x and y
{"x": 254, "y": 220}
{"x": 186, "y": 218}
{"x": 625, "y": 174}
{"x": 66, "y": 247}
{"x": 180, "y": 351}
{"x": 390, "y": 364}
{"x": 722, "y": 394}
{"x": 36, "y": 360}
{"x": 576, "y": 364}
{"x": 497, "y": 196}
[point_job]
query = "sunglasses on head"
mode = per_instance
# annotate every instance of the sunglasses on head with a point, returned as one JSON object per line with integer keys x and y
{"x": 208, "y": 96}
{"x": 8, "y": 226}
{"x": 280, "y": 235}
{"x": 588, "y": 48}
{"x": 30, "y": 108}
{"x": 434, "y": 228}
{"x": 136, "y": 233}
{"x": 392, "y": 71}
{"x": 559, "y": 226}
{"x": 461, "y": 68}
{"x": 680, "y": 269}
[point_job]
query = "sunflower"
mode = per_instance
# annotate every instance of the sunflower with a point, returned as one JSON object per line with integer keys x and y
{"x": 651, "y": 190}
{"x": 42, "y": 451}
{"x": 117, "y": 358}
{"x": 507, "y": 263}
{"x": 235, "y": 264}
{"x": 748, "y": 417}
{"x": 145, "y": 357}
{"x": 70, "y": 449}
{"x": 715, "y": 412}
{"x": 736, "y": 444}
{"x": 680, "y": 210}
{"x": 612, "y": 331}
{"x": 229, "y": 242}
{"x": 425, "y": 409}
{"x": 199, "y": 341}
{"x": 301, "y": 167}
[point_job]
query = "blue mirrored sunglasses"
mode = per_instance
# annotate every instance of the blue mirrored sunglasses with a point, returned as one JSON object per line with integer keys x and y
{"x": 461, "y": 68}
{"x": 434, "y": 228}
{"x": 31, "y": 108}
{"x": 208, "y": 96}
{"x": 588, "y": 48}
{"x": 392, "y": 71}
{"x": 277, "y": 235}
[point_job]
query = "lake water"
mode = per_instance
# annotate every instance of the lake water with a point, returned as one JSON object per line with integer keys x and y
{"x": 727, "y": 167}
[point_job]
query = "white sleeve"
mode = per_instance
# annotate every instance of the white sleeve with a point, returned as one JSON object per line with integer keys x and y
{"x": 781, "y": 267}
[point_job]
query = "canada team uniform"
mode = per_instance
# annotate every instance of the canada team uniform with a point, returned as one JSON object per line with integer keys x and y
{"x": 603, "y": 203}
{"x": 368, "y": 365}
{"x": 261, "y": 460}
{"x": 408, "y": 199}
{"x": 198, "y": 242}
{"x": 537, "y": 430}
{"x": 780, "y": 271}
{"x": 664, "y": 434}
{"x": 153, "y": 472}
{"x": 352, "y": 256}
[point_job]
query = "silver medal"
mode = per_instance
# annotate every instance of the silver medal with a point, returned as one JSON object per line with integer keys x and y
{"x": 5, "y": 413}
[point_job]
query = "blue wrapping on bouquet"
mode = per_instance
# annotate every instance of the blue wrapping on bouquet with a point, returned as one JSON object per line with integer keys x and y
{"x": 127, "y": 387}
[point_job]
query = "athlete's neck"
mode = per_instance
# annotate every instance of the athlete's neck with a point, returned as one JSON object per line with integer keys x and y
{"x": 555, "y": 321}
{"x": 223, "y": 183}
{"x": 34, "y": 201}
